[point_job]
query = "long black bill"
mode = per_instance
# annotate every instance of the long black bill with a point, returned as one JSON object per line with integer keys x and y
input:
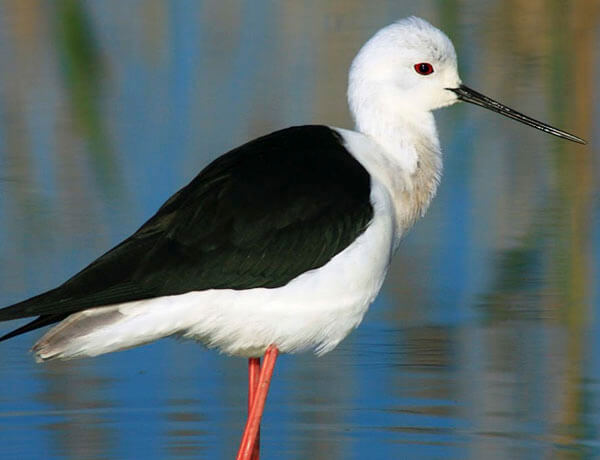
{"x": 467, "y": 94}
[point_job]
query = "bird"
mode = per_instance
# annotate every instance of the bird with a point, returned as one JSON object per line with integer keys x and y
{"x": 281, "y": 244}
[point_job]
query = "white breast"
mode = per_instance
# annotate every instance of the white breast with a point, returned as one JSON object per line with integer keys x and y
{"x": 408, "y": 166}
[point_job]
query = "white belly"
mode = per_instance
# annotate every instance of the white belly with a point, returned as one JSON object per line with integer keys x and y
{"x": 314, "y": 311}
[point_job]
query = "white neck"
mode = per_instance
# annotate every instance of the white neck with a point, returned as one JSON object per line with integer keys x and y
{"x": 410, "y": 164}
{"x": 399, "y": 134}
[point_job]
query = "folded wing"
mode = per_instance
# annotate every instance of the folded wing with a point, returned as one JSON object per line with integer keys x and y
{"x": 257, "y": 217}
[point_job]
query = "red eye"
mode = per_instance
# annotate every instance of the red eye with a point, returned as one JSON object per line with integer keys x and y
{"x": 424, "y": 68}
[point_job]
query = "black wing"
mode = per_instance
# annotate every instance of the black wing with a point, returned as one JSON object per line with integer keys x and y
{"x": 258, "y": 216}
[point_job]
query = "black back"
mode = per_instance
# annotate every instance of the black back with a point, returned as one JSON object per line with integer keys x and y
{"x": 258, "y": 216}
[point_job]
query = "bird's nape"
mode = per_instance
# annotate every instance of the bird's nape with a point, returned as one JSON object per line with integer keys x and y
{"x": 466, "y": 94}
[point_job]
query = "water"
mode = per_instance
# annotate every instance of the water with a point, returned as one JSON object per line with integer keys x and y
{"x": 484, "y": 342}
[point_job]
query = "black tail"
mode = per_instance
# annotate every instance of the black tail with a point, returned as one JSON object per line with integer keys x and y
{"x": 35, "y": 324}
{"x": 26, "y": 309}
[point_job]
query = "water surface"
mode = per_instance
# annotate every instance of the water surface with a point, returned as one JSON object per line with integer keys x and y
{"x": 484, "y": 342}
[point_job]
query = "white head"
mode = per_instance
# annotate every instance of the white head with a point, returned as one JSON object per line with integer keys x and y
{"x": 405, "y": 71}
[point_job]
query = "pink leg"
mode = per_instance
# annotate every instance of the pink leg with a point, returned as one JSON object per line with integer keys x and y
{"x": 253, "y": 375}
{"x": 258, "y": 405}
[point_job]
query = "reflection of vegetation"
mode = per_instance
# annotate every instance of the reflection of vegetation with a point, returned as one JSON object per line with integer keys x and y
{"x": 449, "y": 16}
{"x": 516, "y": 289}
{"x": 549, "y": 271}
{"x": 82, "y": 68}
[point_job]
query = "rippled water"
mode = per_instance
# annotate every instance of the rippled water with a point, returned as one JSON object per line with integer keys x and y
{"x": 484, "y": 342}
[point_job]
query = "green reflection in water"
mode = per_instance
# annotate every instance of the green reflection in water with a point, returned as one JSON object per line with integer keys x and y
{"x": 82, "y": 70}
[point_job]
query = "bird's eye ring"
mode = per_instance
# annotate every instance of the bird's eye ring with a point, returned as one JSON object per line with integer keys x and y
{"x": 424, "y": 68}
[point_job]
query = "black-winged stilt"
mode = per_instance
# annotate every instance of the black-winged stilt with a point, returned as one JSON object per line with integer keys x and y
{"x": 279, "y": 245}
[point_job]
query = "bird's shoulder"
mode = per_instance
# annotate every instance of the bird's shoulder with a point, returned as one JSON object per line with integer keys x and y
{"x": 297, "y": 169}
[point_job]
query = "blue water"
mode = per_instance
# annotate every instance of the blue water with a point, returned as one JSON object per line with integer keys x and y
{"x": 484, "y": 342}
